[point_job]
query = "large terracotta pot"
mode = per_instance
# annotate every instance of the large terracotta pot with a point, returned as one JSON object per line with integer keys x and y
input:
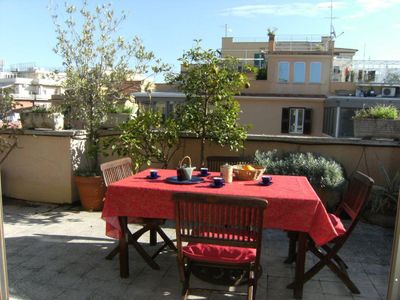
{"x": 91, "y": 192}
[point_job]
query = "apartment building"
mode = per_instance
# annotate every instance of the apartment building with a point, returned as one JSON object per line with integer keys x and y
{"x": 305, "y": 85}
{"x": 31, "y": 85}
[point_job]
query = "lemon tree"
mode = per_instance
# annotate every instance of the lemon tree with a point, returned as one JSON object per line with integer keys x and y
{"x": 210, "y": 111}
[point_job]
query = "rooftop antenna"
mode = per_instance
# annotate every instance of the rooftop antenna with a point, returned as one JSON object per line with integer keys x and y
{"x": 332, "y": 32}
{"x": 227, "y": 29}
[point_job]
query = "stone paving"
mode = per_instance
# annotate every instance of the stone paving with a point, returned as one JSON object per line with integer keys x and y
{"x": 57, "y": 252}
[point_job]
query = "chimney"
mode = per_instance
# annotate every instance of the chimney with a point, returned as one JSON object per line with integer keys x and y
{"x": 271, "y": 42}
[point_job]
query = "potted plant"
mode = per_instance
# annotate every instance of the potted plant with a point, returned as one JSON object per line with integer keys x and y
{"x": 379, "y": 121}
{"x": 381, "y": 207}
{"x": 42, "y": 117}
{"x": 97, "y": 63}
{"x": 117, "y": 116}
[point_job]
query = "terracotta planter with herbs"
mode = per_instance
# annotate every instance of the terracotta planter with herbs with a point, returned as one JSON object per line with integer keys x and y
{"x": 377, "y": 128}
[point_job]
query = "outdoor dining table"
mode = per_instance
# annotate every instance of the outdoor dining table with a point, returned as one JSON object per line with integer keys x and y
{"x": 293, "y": 205}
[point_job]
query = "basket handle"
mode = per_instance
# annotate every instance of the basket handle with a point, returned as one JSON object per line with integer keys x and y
{"x": 190, "y": 161}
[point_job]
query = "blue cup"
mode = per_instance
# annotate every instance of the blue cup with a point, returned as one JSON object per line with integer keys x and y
{"x": 266, "y": 179}
{"x": 203, "y": 171}
{"x": 153, "y": 174}
{"x": 218, "y": 181}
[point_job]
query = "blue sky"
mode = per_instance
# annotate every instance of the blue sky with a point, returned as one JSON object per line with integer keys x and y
{"x": 169, "y": 27}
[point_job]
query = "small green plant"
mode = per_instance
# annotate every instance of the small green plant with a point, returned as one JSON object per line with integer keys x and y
{"x": 322, "y": 172}
{"x": 40, "y": 109}
{"x": 121, "y": 109}
{"x": 261, "y": 74}
{"x": 384, "y": 198}
{"x": 388, "y": 112}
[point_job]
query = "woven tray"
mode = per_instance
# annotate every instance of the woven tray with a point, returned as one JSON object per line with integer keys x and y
{"x": 241, "y": 174}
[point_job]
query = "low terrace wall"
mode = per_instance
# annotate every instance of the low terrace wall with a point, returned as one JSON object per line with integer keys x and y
{"x": 354, "y": 154}
{"x": 41, "y": 168}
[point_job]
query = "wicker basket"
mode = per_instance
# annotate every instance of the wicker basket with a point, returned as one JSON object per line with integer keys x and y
{"x": 241, "y": 174}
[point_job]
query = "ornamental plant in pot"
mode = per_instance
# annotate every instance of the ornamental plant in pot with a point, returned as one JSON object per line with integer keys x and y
{"x": 97, "y": 63}
{"x": 117, "y": 116}
{"x": 42, "y": 117}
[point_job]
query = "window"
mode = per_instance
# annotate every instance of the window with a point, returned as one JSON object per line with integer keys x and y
{"x": 315, "y": 72}
{"x": 283, "y": 71}
{"x": 259, "y": 60}
{"x": 296, "y": 120}
{"x": 299, "y": 72}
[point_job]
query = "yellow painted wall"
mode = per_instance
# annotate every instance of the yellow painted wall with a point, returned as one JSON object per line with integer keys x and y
{"x": 40, "y": 169}
{"x": 265, "y": 113}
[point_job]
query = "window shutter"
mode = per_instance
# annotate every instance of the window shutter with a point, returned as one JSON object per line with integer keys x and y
{"x": 307, "y": 121}
{"x": 285, "y": 120}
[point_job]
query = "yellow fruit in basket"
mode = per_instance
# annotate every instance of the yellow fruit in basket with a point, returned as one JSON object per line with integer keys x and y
{"x": 248, "y": 168}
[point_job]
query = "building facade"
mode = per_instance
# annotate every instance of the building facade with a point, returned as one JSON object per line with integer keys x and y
{"x": 31, "y": 85}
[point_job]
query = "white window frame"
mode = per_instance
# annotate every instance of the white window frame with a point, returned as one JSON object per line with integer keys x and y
{"x": 295, "y": 127}
{"x": 302, "y": 77}
{"x": 280, "y": 78}
{"x": 312, "y": 75}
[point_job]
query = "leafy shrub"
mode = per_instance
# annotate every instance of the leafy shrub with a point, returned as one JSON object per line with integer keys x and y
{"x": 321, "y": 172}
{"x": 389, "y": 112}
{"x": 261, "y": 74}
{"x": 121, "y": 109}
{"x": 40, "y": 109}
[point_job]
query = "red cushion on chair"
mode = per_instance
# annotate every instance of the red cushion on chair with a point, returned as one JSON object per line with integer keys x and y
{"x": 219, "y": 254}
{"x": 337, "y": 223}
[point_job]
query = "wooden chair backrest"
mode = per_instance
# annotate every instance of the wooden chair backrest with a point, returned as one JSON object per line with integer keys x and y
{"x": 355, "y": 197}
{"x": 215, "y": 162}
{"x": 116, "y": 170}
{"x": 219, "y": 219}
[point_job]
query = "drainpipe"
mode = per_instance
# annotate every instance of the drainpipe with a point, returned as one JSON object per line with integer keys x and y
{"x": 337, "y": 122}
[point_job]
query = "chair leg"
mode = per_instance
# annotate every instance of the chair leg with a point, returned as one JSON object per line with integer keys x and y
{"x": 252, "y": 289}
{"x": 114, "y": 252}
{"x": 325, "y": 260}
{"x": 344, "y": 277}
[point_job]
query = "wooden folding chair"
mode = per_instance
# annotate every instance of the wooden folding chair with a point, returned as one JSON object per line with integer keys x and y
{"x": 120, "y": 169}
{"x": 221, "y": 231}
{"x": 352, "y": 204}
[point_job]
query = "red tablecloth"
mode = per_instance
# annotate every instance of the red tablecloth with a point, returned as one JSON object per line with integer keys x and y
{"x": 293, "y": 204}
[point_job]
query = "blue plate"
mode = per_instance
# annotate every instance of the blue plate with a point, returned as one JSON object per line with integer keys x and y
{"x": 200, "y": 175}
{"x": 217, "y": 187}
{"x": 265, "y": 184}
{"x": 149, "y": 177}
{"x": 174, "y": 179}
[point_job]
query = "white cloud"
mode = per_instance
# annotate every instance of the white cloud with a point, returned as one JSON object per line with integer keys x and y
{"x": 293, "y": 9}
{"x": 367, "y": 7}
{"x": 376, "y": 5}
